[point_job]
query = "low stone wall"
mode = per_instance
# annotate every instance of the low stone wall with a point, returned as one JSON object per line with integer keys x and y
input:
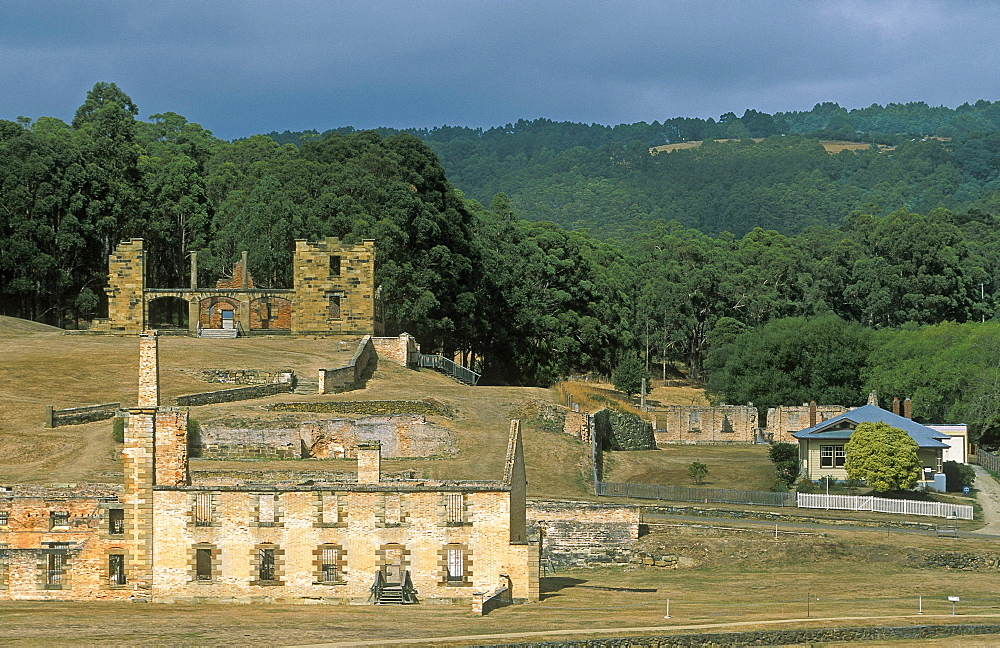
{"x": 402, "y": 350}
{"x": 248, "y": 376}
{"x": 771, "y": 637}
{"x": 580, "y": 534}
{"x": 235, "y": 394}
{"x": 77, "y": 415}
{"x": 736, "y": 514}
{"x": 694, "y": 424}
{"x": 350, "y": 375}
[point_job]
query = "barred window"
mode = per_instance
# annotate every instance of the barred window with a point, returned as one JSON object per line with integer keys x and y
{"x": 265, "y": 564}
{"x": 328, "y": 565}
{"x": 203, "y": 509}
{"x": 55, "y": 562}
{"x": 4, "y": 517}
{"x": 116, "y": 521}
{"x": 59, "y": 518}
{"x": 454, "y": 508}
{"x": 456, "y": 565}
{"x": 203, "y": 564}
{"x": 116, "y": 569}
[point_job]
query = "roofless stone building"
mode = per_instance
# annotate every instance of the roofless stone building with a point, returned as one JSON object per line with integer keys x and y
{"x": 162, "y": 538}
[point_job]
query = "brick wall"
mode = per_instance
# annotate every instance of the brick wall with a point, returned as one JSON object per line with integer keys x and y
{"x": 126, "y": 284}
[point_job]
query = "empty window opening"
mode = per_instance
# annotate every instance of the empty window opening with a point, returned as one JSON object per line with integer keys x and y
{"x": 266, "y": 510}
{"x": 335, "y": 307}
{"x": 116, "y": 521}
{"x": 203, "y": 509}
{"x": 203, "y": 564}
{"x": 59, "y": 518}
{"x": 328, "y": 565}
{"x": 454, "y": 507}
{"x": 335, "y": 266}
{"x": 393, "y": 509}
{"x": 116, "y": 569}
{"x": 265, "y": 567}
{"x": 456, "y": 565}
{"x": 330, "y": 513}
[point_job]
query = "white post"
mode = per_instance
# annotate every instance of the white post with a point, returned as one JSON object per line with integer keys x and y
{"x": 920, "y": 604}
{"x": 667, "y": 615}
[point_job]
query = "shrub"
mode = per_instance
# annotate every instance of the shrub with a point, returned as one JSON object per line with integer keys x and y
{"x": 958, "y": 475}
{"x": 697, "y": 471}
{"x": 785, "y": 457}
{"x": 118, "y": 429}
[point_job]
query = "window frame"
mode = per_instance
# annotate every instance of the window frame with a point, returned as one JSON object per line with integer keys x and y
{"x": 832, "y": 456}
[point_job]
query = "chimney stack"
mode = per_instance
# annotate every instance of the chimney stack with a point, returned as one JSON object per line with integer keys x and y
{"x": 812, "y": 414}
{"x": 369, "y": 462}
{"x": 149, "y": 371}
{"x": 895, "y": 405}
{"x": 908, "y": 408}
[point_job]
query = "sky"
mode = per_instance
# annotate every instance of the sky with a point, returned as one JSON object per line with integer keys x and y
{"x": 240, "y": 67}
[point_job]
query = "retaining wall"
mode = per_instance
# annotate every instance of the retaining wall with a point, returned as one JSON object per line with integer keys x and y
{"x": 582, "y": 533}
{"x": 350, "y": 375}
{"x": 235, "y": 394}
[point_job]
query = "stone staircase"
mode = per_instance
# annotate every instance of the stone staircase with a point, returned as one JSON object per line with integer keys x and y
{"x": 218, "y": 334}
{"x": 306, "y": 386}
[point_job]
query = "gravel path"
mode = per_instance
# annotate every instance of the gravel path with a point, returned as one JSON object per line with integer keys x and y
{"x": 989, "y": 499}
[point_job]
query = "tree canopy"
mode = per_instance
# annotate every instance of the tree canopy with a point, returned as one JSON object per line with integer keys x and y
{"x": 883, "y": 457}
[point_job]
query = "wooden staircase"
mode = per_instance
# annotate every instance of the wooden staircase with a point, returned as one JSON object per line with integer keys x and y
{"x": 386, "y": 593}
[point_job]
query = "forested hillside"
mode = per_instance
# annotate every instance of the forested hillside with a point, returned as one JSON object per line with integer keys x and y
{"x": 883, "y": 242}
{"x": 602, "y": 178}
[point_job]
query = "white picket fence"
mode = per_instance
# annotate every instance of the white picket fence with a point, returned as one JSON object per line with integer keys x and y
{"x": 883, "y": 505}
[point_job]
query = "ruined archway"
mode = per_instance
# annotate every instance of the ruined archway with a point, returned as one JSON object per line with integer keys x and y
{"x": 168, "y": 313}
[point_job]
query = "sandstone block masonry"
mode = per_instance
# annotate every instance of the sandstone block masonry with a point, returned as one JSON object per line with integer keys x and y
{"x": 333, "y": 294}
{"x": 162, "y": 538}
{"x": 693, "y": 424}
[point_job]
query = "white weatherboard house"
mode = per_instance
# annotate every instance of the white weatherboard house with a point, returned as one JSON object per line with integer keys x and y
{"x": 821, "y": 447}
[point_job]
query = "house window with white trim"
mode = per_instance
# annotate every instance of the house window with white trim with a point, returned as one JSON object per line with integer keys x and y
{"x": 832, "y": 456}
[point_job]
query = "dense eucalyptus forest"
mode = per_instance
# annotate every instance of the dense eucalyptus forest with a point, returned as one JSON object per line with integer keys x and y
{"x": 774, "y": 270}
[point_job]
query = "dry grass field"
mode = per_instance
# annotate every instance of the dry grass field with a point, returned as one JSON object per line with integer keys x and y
{"x": 735, "y": 577}
{"x": 740, "y": 466}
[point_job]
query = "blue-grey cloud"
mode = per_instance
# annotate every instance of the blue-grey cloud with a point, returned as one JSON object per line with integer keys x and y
{"x": 239, "y": 67}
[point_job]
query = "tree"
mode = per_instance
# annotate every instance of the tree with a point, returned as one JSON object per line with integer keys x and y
{"x": 629, "y": 374}
{"x": 958, "y": 475}
{"x": 785, "y": 457}
{"x": 882, "y": 456}
{"x": 697, "y": 471}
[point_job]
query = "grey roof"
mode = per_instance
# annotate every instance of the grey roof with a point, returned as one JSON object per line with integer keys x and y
{"x": 923, "y": 435}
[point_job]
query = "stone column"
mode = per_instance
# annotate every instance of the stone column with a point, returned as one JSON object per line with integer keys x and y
{"x": 369, "y": 462}
{"x": 149, "y": 370}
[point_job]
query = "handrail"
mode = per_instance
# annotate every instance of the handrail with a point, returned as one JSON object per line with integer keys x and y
{"x": 377, "y": 586}
{"x": 409, "y": 592}
{"x": 450, "y": 367}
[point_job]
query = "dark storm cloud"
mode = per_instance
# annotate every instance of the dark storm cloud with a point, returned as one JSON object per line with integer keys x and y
{"x": 244, "y": 67}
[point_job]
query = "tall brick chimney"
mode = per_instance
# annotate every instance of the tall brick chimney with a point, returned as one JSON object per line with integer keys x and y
{"x": 908, "y": 408}
{"x": 149, "y": 370}
{"x": 812, "y": 414}
{"x": 369, "y": 462}
{"x": 895, "y": 405}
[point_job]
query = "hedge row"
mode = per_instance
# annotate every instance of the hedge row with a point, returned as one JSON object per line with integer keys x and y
{"x": 369, "y": 408}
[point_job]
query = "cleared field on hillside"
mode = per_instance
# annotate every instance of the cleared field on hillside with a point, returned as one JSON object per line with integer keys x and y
{"x": 831, "y": 146}
{"x": 39, "y": 366}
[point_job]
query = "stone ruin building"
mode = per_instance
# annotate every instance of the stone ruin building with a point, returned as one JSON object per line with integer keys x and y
{"x": 162, "y": 538}
{"x": 334, "y": 294}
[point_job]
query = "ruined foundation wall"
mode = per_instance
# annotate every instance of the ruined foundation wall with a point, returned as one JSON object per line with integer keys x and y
{"x": 785, "y": 419}
{"x": 583, "y": 534}
{"x": 402, "y": 350}
{"x": 694, "y": 424}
